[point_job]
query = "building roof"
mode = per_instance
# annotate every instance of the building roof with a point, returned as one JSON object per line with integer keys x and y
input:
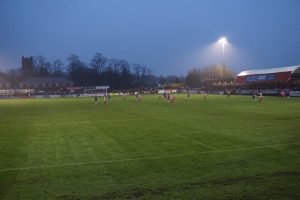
{"x": 48, "y": 80}
{"x": 3, "y": 81}
{"x": 269, "y": 71}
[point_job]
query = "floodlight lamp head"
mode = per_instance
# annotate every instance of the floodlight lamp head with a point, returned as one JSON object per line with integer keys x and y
{"x": 223, "y": 40}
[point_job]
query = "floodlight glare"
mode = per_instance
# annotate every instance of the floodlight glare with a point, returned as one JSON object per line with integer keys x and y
{"x": 223, "y": 40}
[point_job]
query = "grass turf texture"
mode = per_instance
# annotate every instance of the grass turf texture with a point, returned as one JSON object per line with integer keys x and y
{"x": 193, "y": 149}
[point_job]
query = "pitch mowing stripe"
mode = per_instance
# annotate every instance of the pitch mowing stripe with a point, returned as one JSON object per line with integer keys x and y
{"x": 148, "y": 158}
{"x": 196, "y": 142}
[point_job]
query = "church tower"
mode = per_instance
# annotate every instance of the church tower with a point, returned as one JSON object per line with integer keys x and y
{"x": 27, "y": 67}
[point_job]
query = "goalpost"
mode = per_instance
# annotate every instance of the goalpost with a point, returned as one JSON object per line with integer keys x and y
{"x": 97, "y": 91}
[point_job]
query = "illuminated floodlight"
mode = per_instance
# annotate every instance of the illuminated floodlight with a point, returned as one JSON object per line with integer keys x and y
{"x": 223, "y": 40}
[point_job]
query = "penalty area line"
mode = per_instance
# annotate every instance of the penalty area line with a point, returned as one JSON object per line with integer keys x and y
{"x": 147, "y": 158}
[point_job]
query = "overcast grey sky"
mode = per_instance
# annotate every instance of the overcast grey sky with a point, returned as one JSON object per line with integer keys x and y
{"x": 169, "y": 36}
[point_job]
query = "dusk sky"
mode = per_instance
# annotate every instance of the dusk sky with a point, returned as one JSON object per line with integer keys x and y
{"x": 169, "y": 36}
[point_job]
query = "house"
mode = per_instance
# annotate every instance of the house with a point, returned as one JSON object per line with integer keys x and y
{"x": 4, "y": 84}
{"x": 46, "y": 83}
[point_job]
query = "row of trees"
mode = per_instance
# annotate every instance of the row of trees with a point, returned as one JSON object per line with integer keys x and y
{"x": 209, "y": 74}
{"x": 117, "y": 73}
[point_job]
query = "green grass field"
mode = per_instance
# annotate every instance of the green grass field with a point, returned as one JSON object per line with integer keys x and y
{"x": 193, "y": 149}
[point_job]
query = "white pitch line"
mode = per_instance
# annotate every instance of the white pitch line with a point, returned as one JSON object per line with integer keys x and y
{"x": 271, "y": 127}
{"x": 129, "y": 119}
{"x": 89, "y": 122}
{"x": 196, "y": 142}
{"x": 148, "y": 158}
{"x": 62, "y": 123}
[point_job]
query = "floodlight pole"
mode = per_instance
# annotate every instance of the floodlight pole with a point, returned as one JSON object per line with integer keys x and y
{"x": 223, "y": 69}
{"x": 223, "y": 50}
{"x": 223, "y": 41}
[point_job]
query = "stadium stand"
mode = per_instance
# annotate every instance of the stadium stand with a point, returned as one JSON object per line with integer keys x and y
{"x": 270, "y": 81}
{"x": 282, "y": 74}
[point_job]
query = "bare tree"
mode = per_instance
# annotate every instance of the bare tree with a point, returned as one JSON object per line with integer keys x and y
{"x": 74, "y": 68}
{"x": 14, "y": 77}
{"x": 137, "y": 70}
{"x": 115, "y": 65}
{"x": 98, "y": 62}
{"x": 57, "y": 67}
{"x": 41, "y": 66}
{"x": 74, "y": 62}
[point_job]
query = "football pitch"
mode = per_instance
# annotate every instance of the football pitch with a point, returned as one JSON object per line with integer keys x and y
{"x": 217, "y": 148}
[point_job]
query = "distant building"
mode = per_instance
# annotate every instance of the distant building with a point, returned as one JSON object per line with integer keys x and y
{"x": 27, "y": 67}
{"x": 46, "y": 83}
{"x": 4, "y": 84}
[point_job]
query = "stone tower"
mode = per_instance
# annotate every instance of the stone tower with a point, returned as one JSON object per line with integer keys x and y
{"x": 27, "y": 67}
